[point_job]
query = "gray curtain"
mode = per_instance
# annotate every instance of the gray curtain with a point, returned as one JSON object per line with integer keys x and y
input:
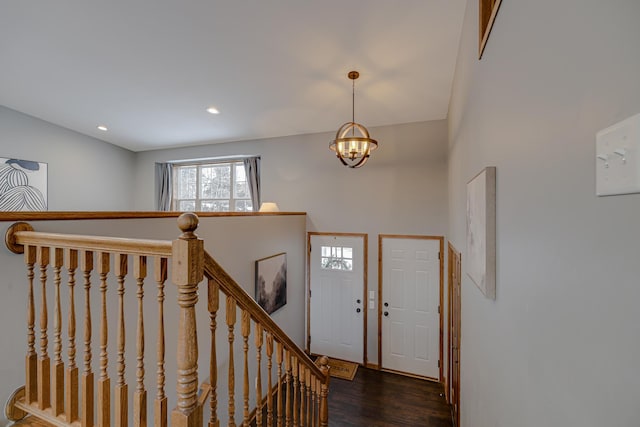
{"x": 164, "y": 178}
{"x": 252, "y": 169}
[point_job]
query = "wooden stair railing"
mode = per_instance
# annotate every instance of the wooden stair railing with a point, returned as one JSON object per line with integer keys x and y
{"x": 303, "y": 386}
{"x": 61, "y": 395}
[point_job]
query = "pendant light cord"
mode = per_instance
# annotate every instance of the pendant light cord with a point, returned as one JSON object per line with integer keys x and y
{"x": 353, "y": 105}
{"x": 353, "y": 101}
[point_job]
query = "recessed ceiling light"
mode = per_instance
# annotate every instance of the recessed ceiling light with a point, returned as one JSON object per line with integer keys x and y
{"x": 213, "y": 110}
{"x": 103, "y": 128}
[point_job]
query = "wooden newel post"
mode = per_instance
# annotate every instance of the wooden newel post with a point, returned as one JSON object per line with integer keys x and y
{"x": 324, "y": 392}
{"x": 187, "y": 272}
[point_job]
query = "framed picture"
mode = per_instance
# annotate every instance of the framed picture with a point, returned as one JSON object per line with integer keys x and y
{"x": 488, "y": 9}
{"x": 481, "y": 231}
{"x": 271, "y": 282}
{"x": 23, "y": 185}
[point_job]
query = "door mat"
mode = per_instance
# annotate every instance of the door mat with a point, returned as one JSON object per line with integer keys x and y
{"x": 343, "y": 370}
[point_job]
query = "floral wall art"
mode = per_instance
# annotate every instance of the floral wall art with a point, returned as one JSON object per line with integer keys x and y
{"x": 23, "y": 185}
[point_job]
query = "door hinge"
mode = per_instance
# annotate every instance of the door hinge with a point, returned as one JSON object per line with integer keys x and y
{"x": 438, "y": 255}
{"x": 438, "y": 363}
{"x": 438, "y": 309}
{"x": 309, "y": 293}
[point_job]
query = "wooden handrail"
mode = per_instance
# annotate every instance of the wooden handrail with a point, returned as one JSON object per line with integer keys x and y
{"x": 214, "y": 271}
{"x": 93, "y": 243}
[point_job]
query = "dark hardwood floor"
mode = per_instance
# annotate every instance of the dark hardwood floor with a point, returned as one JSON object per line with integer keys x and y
{"x": 373, "y": 399}
{"x": 376, "y": 398}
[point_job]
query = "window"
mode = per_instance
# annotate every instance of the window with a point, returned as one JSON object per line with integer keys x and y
{"x": 211, "y": 187}
{"x": 337, "y": 258}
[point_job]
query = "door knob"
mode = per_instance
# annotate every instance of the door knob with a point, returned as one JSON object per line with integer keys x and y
{"x": 386, "y": 304}
{"x": 386, "y": 313}
{"x": 358, "y": 301}
{"x": 358, "y": 310}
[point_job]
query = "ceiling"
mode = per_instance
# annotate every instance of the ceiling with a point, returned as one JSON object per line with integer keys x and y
{"x": 148, "y": 69}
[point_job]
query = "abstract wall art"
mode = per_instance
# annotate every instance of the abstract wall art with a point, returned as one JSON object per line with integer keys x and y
{"x": 481, "y": 231}
{"x": 23, "y": 185}
{"x": 271, "y": 282}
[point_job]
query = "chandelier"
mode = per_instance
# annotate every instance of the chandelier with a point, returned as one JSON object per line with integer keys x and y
{"x": 353, "y": 151}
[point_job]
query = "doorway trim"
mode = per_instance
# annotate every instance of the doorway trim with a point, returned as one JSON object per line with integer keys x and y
{"x": 365, "y": 267}
{"x": 454, "y": 280}
{"x": 441, "y": 302}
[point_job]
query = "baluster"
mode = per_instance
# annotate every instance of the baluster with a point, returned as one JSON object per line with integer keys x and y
{"x": 57, "y": 385}
{"x": 71, "y": 380}
{"x": 313, "y": 401}
{"x": 258, "y": 341}
{"x": 86, "y": 264}
{"x": 140, "y": 395}
{"x": 160, "y": 407}
{"x": 279, "y": 414}
{"x": 324, "y": 392}
{"x": 303, "y": 389}
{"x": 44, "y": 373}
{"x": 269, "y": 381}
{"x": 104, "y": 383}
{"x": 31, "y": 364}
{"x": 213, "y": 305}
{"x": 187, "y": 271}
{"x": 307, "y": 380}
{"x": 231, "y": 321}
{"x": 122, "y": 389}
{"x": 295, "y": 409}
{"x": 318, "y": 388}
{"x": 246, "y": 330}
{"x": 287, "y": 411}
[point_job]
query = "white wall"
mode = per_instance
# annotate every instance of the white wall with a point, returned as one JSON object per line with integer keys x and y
{"x": 225, "y": 239}
{"x": 560, "y": 344}
{"x": 401, "y": 190}
{"x": 84, "y": 173}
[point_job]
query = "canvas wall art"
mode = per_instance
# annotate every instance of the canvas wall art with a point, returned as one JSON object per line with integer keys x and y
{"x": 481, "y": 231}
{"x": 271, "y": 282}
{"x": 23, "y": 185}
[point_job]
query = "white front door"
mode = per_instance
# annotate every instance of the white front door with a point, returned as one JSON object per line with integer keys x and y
{"x": 410, "y": 299}
{"x": 336, "y": 283}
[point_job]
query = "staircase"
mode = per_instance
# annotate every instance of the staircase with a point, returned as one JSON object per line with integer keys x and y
{"x": 279, "y": 385}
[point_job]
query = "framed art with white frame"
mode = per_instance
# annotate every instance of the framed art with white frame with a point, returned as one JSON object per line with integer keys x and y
{"x": 481, "y": 231}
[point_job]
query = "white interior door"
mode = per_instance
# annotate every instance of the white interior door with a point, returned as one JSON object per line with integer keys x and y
{"x": 410, "y": 299}
{"x": 336, "y": 301}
